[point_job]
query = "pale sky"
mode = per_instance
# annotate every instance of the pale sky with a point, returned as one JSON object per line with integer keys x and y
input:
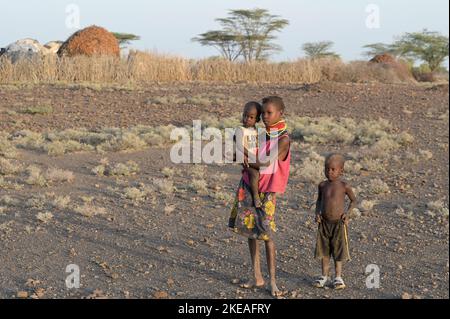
{"x": 168, "y": 26}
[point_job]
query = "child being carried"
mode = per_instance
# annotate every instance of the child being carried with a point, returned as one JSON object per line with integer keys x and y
{"x": 247, "y": 145}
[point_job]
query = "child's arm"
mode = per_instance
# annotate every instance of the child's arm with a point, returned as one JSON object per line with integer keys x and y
{"x": 352, "y": 197}
{"x": 283, "y": 149}
{"x": 319, "y": 204}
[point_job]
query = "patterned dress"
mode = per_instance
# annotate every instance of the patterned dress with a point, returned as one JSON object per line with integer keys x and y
{"x": 259, "y": 223}
{"x": 251, "y": 222}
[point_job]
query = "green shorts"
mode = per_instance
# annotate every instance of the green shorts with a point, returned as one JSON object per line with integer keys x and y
{"x": 332, "y": 240}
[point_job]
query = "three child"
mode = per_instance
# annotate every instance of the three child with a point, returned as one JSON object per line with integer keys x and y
{"x": 255, "y": 219}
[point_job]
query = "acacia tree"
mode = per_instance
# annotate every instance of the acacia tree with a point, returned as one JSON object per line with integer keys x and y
{"x": 245, "y": 33}
{"x": 226, "y": 43}
{"x": 374, "y": 49}
{"x": 125, "y": 38}
{"x": 316, "y": 50}
{"x": 428, "y": 46}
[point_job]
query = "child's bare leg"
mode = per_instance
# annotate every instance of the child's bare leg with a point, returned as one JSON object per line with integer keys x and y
{"x": 258, "y": 279}
{"x": 338, "y": 268}
{"x": 270, "y": 254}
{"x": 326, "y": 266}
{"x": 338, "y": 281}
{"x": 253, "y": 175}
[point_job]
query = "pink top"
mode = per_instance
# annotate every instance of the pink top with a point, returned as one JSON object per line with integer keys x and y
{"x": 273, "y": 178}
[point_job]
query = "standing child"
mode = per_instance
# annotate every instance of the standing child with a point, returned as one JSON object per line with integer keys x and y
{"x": 259, "y": 223}
{"x": 332, "y": 236}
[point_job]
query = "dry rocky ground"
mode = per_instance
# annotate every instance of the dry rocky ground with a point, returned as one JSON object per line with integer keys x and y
{"x": 139, "y": 226}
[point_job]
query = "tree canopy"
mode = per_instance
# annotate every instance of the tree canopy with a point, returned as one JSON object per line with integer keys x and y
{"x": 249, "y": 34}
{"x": 322, "y": 49}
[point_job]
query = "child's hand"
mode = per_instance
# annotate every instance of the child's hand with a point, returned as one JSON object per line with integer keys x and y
{"x": 318, "y": 218}
{"x": 246, "y": 162}
{"x": 345, "y": 219}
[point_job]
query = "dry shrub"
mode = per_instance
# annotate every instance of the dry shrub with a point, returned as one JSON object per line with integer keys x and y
{"x": 56, "y": 175}
{"x": 7, "y": 167}
{"x": 311, "y": 169}
{"x": 360, "y": 72}
{"x": 7, "y": 149}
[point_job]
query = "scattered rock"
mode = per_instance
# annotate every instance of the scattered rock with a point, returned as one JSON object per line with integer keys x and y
{"x": 161, "y": 295}
{"x": 32, "y": 283}
{"x": 38, "y": 293}
{"x": 97, "y": 294}
{"x": 22, "y": 294}
{"x": 406, "y": 295}
{"x": 190, "y": 242}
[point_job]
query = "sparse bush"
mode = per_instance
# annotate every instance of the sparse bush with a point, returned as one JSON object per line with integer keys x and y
{"x": 168, "y": 172}
{"x": 312, "y": 168}
{"x": 199, "y": 186}
{"x": 219, "y": 178}
{"x": 35, "y": 176}
{"x": 222, "y": 196}
{"x": 7, "y": 149}
{"x": 44, "y": 217}
{"x": 352, "y": 167}
{"x": 57, "y": 175}
{"x": 438, "y": 207}
{"x": 134, "y": 194}
{"x": 366, "y": 205}
{"x": 99, "y": 170}
{"x": 164, "y": 186}
{"x": 373, "y": 165}
{"x": 8, "y": 200}
{"x": 443, "y": 117}
{"x": 405, "y": 138}
{"x": 322, "y": 130}
{"x": 61, "y": 202}
{"x": 8, "y": 168}
{"x": 124, "y": 142}
{"x": 43, "y": 109}
{"x": 4, "y": 184}
{"x": 419, "y": 156}
{"x": 62, "y": 147}
{"x": 382, "y": 148}
{"x": 89, "y": 210}
{"x": 30, "y": 140}
{"x": 36, "y": 202}
{"x": 124, "y": 169}
{"x": 198, "y": 171}
{"x": 120, "y": 169}
{"x": 377, "y": 186}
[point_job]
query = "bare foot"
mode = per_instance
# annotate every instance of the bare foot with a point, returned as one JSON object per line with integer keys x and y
{"x": 252, "y": 283}
{"x": 274, "y": 291}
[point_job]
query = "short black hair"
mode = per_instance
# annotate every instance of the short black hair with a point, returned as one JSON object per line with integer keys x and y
{"x": 275, "y": 100}
{"x": 335, "y": 157}
{"x": 256, "y": 105}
